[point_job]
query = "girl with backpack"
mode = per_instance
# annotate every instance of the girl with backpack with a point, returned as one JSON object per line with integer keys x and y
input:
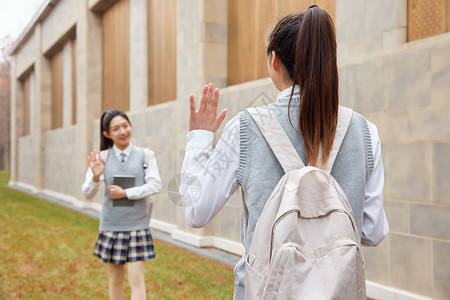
{"x": 302, "y": 64}
{"x": 124, "y": 234}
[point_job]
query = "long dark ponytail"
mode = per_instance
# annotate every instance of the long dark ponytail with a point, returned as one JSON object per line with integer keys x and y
{"x": 105, "y": 121}
{"x": 317, "y": 75}
{"x": 306, "y": 45}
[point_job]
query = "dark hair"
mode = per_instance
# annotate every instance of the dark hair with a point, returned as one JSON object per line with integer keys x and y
{"x": 106, "y": 143}
{"x": 311, "y": 64}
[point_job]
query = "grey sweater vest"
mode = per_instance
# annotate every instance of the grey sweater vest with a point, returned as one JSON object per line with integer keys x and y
{"x": 260, "y": 171}
{"x": 124, "y": 218}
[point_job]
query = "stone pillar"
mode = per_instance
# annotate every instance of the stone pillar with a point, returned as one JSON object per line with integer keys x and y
{"x": 32, "y": 105}
{"x": 201, "y": 59}
{"x": 89, "y": 81}
{"x": 138, "y": 54}
{"x": 67, "y": 85}
{"x": 201, "y": 45}
{"x": 13, "y": 123}
{"x": 41, "y": 107}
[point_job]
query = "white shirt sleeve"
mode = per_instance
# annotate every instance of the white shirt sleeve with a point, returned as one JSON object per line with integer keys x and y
{"x": 151, "y": 177}
{"x": 375, "y": 226}
{"x": 208, "y": 177}
{"x": 90, "y": 187}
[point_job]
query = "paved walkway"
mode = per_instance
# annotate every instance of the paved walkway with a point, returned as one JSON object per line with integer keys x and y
{"x": 212, "y": 253}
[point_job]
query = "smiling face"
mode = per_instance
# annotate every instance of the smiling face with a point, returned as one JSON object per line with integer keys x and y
{"x": 119, "y": 132}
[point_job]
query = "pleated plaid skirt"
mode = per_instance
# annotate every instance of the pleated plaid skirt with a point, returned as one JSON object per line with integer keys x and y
{"x": 120, "y": 247}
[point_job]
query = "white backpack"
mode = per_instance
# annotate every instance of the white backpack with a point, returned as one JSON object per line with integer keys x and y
{"x": 306, "y": 244}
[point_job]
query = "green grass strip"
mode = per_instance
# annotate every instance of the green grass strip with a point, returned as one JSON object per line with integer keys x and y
{"x": 46, "y": 253}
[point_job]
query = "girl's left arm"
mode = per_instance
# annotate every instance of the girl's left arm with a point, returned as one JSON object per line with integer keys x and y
{"x": 152, "y": 180}
{"x": 375, "y": 225}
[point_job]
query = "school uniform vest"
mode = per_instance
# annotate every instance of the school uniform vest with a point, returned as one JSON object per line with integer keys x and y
{"x": 124, "y": 218}
{"x": 259, "y": 170}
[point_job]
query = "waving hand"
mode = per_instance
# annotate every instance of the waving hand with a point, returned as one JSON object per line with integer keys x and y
{"x": 206, "y": 116}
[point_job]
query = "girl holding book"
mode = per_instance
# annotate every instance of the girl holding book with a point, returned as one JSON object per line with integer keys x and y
{"x": 124, "y": 234}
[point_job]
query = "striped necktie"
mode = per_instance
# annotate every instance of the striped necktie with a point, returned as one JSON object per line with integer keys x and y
{"x": 123, "y": 156}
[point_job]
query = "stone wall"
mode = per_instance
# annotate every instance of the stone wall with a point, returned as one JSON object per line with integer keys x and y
{"x": 27, "y": 160}
{"x": 405, "y": 93}
{"x": 59, "y": 164}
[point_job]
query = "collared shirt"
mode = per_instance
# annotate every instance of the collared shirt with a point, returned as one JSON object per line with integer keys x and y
{"x": 199, "y": 161}
{"x": 152, "y": 179}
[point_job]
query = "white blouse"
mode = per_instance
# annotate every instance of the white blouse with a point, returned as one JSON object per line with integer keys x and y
{"x": 151, "y": 177}
{"x": 216, "y": 171}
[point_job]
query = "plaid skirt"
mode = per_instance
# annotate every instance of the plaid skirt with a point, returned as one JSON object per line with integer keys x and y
{"x": 120, "y": 247}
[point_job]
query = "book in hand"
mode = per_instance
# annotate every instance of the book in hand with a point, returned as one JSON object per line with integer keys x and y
{"x": 125, "y": 182}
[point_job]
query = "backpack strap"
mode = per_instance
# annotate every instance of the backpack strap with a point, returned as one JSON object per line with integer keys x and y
{"x": 277, "y": 138}
{"x": 344, "y": 118}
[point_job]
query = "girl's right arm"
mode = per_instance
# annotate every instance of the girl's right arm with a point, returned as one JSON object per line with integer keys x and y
{"x": 209, "y": 177}
{"x": 90, "y": 187}
{"x": 94, "y": 178}
{"x": 205, "y": 186}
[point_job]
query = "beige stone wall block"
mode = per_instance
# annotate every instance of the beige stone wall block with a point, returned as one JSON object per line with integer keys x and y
{"x": 26, "y": 160}
{"x": 377, "y": 262}
{"x": 411, "y": 264}
{"x": 441, "y": 172}
{"x": 227, "y": 223}
{"x": 409, "y": 80}
{"x": 346, "y": 86}
{"x": 386, "y": 190}
{"x": 394, "y": 37}
{"x": 137, "y": 119}
{"x": 94, "y": 138}
{"x": 63, "y": 174}
{"x": 182, "y": 111}
{"x": 161, "y": 121}
{"x": 26, "y": 57}
{"x": 33, "y": 126}
{"x": 392, "y": 127}
{"x": 349, "y": 22}
{"x": 216, "y": 11}
{"x": 440, "y": 74}
{"x": 409, "y": 171}
{"x": 441, "y": 270}
{"x": 60, "y": 20}
{"x": 365, "y": 44}
{"x": 187, "y": 87}
{"x": 430, "y": 221}
{"x": 13, "y": 133}
{"x": 138, "y": 55}
{"x": 215, "y": 33}
{"x": 189, "y": 13}
{"x": 214, "y": 65}
{"x": 398, "y": 215}
{"x": 370, "y": 82}
{"x": 164, "y": 210}
{"x": 184, "y": 39}
{"x": 219, "y": 82}
{"x": 168, "y": 168}
{"x": 190, "y": 70}
{"x": 342, "y": 51}
{"x": 67, "y": 85}
{"x": 249, "y": 94}
{"x": 430, "y": 124}
{"x": 384, "y": 15}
